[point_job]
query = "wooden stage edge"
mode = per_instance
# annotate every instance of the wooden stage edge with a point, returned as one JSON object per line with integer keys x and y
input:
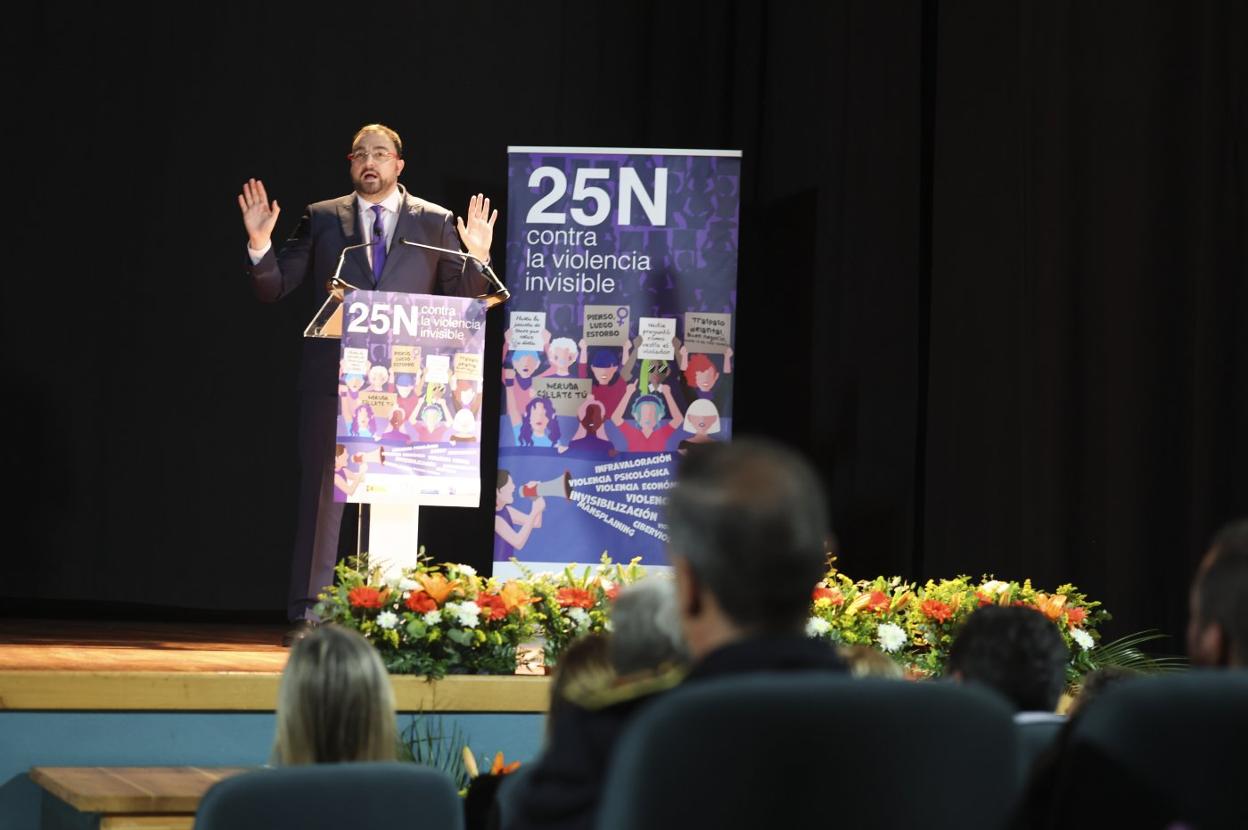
{"x": 124, "y": 691}
{"x": 110, "y": 666}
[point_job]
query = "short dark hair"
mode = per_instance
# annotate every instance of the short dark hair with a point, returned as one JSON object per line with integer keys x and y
{"x": 384, "y": 130}
{"x": 1221, "y": 588}
{"x": 750, "y": 518}
{"x": 1017, "y": 651}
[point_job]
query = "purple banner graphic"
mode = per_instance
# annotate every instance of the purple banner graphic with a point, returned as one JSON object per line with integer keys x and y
{"x": 409, "y": 393}
{"x": 618, "y": 352}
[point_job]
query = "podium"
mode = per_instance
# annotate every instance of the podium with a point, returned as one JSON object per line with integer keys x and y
{"x": 409, "y": 425}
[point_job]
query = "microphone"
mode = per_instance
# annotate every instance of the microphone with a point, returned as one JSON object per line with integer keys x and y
{"x": 498, "y": 296}
{"x": 334, "y": 284}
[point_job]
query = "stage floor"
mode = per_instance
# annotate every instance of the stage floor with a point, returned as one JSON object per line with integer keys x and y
{"x": 52, "y": 645}
{"x": 118, "y": 666}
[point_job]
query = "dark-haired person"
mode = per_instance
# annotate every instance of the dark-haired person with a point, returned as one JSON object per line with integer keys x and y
{"x": 1217, "y": 630}
{"x": 1019, "y": 653}
{"x": 379, "y": 211}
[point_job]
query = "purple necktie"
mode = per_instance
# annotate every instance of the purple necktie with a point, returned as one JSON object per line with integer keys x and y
{"x": 379, "y": 242}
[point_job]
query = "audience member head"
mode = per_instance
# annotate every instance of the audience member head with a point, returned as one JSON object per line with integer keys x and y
{"x": 864, "y": 661}
{"x": 334, "y": 703}
{"x": 1217, "y": 631}
{"x": 584, "y": 664}
{"x": 1017, "y": 651}
{"x": 645, "y": 628}
{"x": 749, "y": 536}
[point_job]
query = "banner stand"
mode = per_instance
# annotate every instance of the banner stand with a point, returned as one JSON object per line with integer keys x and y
{"x": 392, "y": 533}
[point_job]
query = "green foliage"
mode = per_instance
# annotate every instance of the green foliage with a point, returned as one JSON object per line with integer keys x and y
{"x": 426, "y": 741}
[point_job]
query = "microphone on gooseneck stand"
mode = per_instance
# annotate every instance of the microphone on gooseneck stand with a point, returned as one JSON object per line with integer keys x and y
{"x": 498, "y": 296}
{"x": 334, "y": 283}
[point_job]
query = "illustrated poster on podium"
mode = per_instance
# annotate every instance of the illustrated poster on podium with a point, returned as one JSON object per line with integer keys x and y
{"x": 618, "y": 350}
{"x": 409, "y": 400}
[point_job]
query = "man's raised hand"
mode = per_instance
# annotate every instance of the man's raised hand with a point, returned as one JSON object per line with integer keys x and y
{"x": 478, "y": 233}
{"x": 259, "y": 216}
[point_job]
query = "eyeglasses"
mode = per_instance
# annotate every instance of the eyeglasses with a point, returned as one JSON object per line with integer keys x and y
{"x": 379, "y": 156}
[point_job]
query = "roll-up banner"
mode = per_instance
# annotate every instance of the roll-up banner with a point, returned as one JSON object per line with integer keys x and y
{"x": 618, "y": 352}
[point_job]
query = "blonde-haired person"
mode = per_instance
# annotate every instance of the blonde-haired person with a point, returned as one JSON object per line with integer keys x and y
{"x": 335, "y": 703}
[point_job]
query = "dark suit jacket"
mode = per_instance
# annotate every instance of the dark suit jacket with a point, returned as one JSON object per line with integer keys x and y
{"x": 312, "y": 253}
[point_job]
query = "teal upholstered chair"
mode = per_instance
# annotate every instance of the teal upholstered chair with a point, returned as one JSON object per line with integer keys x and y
{"x": 1160, "y": 752}
{"x": 333, "y": 797}
{"x": 812, "y": 750}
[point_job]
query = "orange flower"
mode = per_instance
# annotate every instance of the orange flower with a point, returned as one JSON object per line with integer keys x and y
{"x": 513, "y": 595}
{"x": 420, "y": 602}
{"x": 1051, "y": 606}
{"x": 984, "y": 599}
{"x": 878, "y": 602}
{"x": 936, "y": 610}
{"x": 1076, "y": 615}
{"x": 499, "y": 768}
{"x": 832, "y": 595}
{"x": 492, "y": 605}
{"x": 368, "y": 598}
{"x": 437, "y": 586}
{"x": 570, "y": 597}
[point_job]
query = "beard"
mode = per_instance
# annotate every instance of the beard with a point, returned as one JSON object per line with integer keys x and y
{"x": 372, "y": 182}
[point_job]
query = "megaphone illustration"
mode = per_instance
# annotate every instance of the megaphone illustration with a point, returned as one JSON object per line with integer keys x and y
{"x": 559, "y": 487}
{"x": 377, "y": 456}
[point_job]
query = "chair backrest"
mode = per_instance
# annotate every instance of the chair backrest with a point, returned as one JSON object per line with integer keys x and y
{"x": 1161, "y": 750}
{"x": 332, "y": 797}
{"x": 1037, "y": 733}
{"x": 809, "y": 749}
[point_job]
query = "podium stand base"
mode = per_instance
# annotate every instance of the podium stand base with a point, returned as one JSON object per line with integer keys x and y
{"x": 392, "y": 530}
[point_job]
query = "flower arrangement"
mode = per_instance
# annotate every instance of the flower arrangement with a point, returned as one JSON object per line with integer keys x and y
{"x": 434, "y": 619}
{"x": 917, "y": 624}
{"x": 444, "y": 619}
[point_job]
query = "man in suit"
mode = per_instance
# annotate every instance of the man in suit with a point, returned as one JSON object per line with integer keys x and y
{"x": 379, "y": 212}
{"x": 748, "y": 538}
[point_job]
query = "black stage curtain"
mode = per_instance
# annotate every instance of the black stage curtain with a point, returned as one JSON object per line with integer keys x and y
{"x": 992, "y": 266}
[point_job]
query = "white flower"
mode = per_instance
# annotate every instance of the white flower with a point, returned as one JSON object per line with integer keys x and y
{"x": 466, "y": 614}
{"x": 407, "y": 585}
{"x": 607, "y": 584}
{"x": 994, "y": 586}
{"x": 1083, "y": 638}
{"x": 387, "y": 619}
{"x": 467, "y": 569}
{"x": 432, "y": 617}
{"x": 890, "y": 637}
{"x": 817, "y": 627}
{"x": 579, "y": 616}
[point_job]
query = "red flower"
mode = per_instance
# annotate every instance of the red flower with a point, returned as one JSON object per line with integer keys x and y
{"x": 574, "y": 597}
{"x": 879, "y": 602}
{"x": 370, "y": 599}
{"x": 612, "y": 593}
{"x": 420, "y": 602}
{"x": 936, "y": 610}
{"x": 492, "y": 606}
{"x": 831, "y": 595}
{"x": 984, "y": 599}
{"x": 1075, "y": 615}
